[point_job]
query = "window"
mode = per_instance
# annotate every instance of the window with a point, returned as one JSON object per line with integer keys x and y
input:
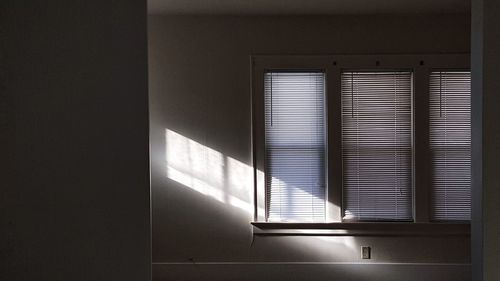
{"x": 361, "y": 138}
{"x": 295, "y": 146}
{"x": 450, "y": 144}
{"x": 376, "y": 145}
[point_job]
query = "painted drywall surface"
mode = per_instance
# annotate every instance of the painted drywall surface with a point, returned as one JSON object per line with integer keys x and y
{"x": 485, "y": 63}
{"x": 74, "y": 197}
{"x": 199, "y": 74}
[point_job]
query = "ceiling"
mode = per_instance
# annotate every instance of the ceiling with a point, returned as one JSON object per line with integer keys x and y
{"x": 306, "y": 7}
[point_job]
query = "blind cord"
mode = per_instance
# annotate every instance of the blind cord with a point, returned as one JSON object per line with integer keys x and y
{"x": 440, "y": 94}
{"x": 352, "y": 94}
{"x": 271, "y": 117}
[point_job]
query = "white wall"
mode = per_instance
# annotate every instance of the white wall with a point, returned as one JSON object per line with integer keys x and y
{"x": 74, "y": 188}
{"x": 199, "y": 69}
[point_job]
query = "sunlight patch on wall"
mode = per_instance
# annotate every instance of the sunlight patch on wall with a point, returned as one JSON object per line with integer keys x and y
{"x": 209, "y": 172}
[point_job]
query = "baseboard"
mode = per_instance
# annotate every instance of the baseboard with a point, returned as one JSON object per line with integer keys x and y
{"x": 310, "y": 271}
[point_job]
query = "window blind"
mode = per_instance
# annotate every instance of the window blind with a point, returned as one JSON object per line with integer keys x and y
{"x": 295, "y": 146}
{"x": 450, "y": 143}
{"x": 377, "y": 145}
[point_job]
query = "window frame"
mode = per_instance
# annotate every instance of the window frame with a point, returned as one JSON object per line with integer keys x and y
{"x": 333, "y": 66}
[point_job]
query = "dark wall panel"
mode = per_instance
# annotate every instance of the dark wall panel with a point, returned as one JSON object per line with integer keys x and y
{"x": 74, "y": 196}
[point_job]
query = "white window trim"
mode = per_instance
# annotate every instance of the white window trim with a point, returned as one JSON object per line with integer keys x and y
{"x": 332, "y": 65}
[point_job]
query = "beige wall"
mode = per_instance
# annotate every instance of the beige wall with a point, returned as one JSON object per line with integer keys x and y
{"x": 202, "y": 189}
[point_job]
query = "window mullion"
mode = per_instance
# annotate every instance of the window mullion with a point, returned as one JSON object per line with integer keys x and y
{"x": 421, "y": 153}
{"x": 334, "y": 115}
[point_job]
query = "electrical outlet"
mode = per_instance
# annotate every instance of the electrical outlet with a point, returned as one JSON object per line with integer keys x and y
{"x": 366, "y": 252}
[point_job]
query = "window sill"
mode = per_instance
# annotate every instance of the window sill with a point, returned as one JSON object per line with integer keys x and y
{"x": 361, "y": 229}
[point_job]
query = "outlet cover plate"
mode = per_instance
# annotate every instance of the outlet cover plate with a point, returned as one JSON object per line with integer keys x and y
{"x": 366, "y": 252}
